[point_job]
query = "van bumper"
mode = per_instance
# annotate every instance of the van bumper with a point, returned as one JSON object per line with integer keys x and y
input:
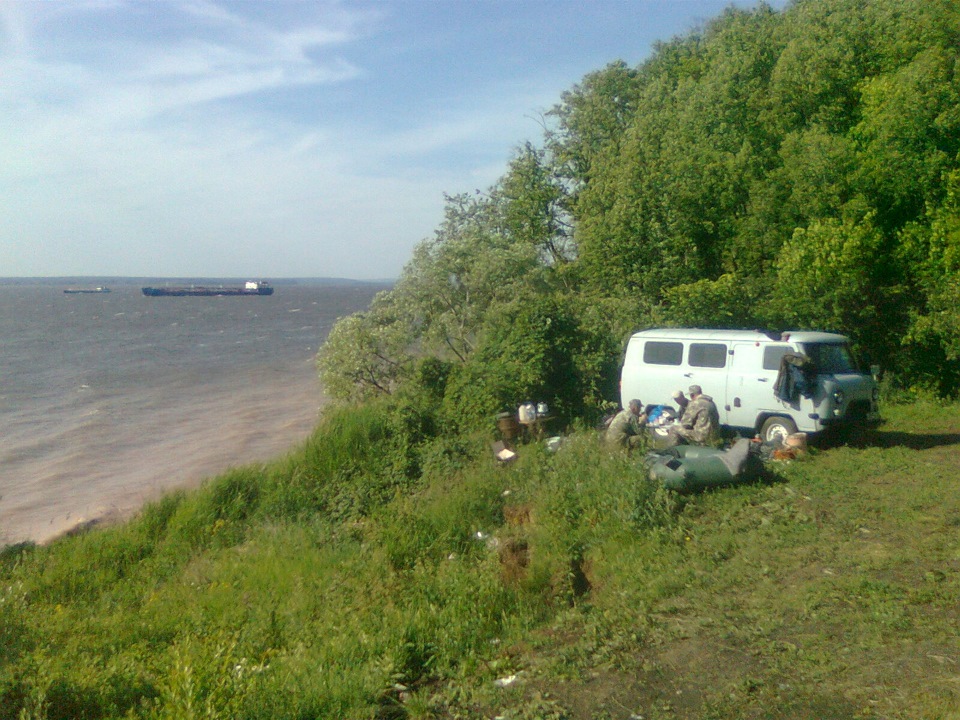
{"x": 870, "y": 419}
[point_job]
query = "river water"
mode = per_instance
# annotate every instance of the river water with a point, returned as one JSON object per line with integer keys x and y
{"x": 109, "y": 400}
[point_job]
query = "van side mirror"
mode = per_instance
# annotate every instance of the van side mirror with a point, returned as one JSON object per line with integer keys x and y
{"x": 875, "y": 371}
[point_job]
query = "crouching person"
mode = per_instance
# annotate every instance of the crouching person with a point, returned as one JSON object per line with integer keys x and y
{"x": 626, "y": 429}
{"x": 700, "y": 422}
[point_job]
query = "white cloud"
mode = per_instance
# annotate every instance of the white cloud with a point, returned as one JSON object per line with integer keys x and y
{"x": 155, "y": 155}
{"x": 13, "y": 28}
{"x": 134, "y": 170}
{"x": 210, "y": 11}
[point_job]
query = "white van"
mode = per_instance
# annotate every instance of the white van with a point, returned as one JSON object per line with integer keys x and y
{"x": 739, "y": 369}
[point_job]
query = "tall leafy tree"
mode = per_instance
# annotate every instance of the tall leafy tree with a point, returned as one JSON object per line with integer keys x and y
{"x": 535, "y": 205}
{"x": 909, "y": 134}
{"x": 591, "y": 119}
{"x": 932, "y": 252}
{"x": 827, "y": 279}
{"x": 471, "y": 263}
{"x": 366, "y": 354}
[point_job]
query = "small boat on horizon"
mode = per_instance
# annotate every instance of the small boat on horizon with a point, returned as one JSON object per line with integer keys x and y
{"x": 251, "y": 287}
{"x": 98, "y": 289}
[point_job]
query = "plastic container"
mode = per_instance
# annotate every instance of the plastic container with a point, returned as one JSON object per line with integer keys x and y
{"x": 527, "y": 413}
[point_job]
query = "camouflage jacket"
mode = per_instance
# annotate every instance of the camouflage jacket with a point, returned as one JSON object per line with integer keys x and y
{"x": 701, "y": 421}
{"x": 624, "y": 426}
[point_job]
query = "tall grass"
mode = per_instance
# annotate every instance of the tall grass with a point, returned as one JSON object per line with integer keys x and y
{"x": 323, "y": 581}
{"x": 336, "y": 583}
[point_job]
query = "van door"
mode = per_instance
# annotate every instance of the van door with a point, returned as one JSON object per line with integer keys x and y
{"x": 707, "y": 366}
{"x": 753, "y": 372}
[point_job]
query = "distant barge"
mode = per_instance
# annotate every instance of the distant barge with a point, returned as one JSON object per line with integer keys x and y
{"x": 100, "y": 289}
{"x": 249, "y": 288}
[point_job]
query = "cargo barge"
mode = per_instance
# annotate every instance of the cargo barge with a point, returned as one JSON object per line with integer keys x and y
{"x": 74, "y": 291}
{"x": 249, "y": 288}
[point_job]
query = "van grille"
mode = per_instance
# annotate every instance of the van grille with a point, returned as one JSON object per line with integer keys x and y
{"x": 858, "y": 410}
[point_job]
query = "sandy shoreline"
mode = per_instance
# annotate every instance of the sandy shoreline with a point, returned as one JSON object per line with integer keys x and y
{"x": 257, "y": 423}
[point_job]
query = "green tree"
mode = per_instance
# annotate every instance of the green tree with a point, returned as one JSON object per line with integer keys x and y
{"x": 452, "y": 279}
{"x": 932, "y": 251}
{"x": 727, "y": 302}
{"x": 535, "y": 347}
{"x": 366, "y": 354}
{"x": 909, "y": 135}
{"x": 663, "y": 204}
{"x": 826, "y": 280}
{"x": 591, "y": 119}
{"x": 535, "y": 206}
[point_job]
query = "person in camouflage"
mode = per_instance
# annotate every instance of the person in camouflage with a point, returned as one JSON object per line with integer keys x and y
{"x": 626, "y": 429}
{"x": 700, "y": 423}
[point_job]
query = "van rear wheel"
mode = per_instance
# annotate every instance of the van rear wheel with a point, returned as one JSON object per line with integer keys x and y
{"x": 776, "y": 429}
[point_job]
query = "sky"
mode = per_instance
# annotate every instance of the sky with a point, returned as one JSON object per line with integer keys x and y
{"x": 275, "y": 139}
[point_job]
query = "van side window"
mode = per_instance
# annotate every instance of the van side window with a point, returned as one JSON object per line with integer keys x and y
{"x": 709, "y": 355}
{"x": 658, "y": 352}
{"x": 772, "y": 354}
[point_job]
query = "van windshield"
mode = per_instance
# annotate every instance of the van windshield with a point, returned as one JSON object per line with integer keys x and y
{"x": 831, "y": 357}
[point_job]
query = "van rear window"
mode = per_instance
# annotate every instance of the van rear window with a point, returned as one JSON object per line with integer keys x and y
{"x": 659, "y": 352}
{"x": 709, "y": 355}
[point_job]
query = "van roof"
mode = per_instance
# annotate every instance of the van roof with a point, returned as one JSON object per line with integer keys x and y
{"x": 801, "y": 336}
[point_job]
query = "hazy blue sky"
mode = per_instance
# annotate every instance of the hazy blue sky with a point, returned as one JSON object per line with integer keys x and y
{"x": 278, "y": 139}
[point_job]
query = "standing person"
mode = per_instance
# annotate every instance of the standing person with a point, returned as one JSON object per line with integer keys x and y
{"x": 626, "y": 429}
{"x": 700, "y": 423}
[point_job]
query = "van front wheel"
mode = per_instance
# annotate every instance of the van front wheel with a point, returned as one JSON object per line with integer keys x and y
{"x": 776, "y": 429}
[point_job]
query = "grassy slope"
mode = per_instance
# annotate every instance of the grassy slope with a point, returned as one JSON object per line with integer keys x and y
{"x": 829, "y": 592}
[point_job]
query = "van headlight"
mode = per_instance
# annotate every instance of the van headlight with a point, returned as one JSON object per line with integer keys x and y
{"x": 876, "y": 394}
{"x": 838, "y": 397}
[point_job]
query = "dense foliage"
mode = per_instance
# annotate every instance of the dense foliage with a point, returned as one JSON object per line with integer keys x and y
{"x": 779, "y": 169}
